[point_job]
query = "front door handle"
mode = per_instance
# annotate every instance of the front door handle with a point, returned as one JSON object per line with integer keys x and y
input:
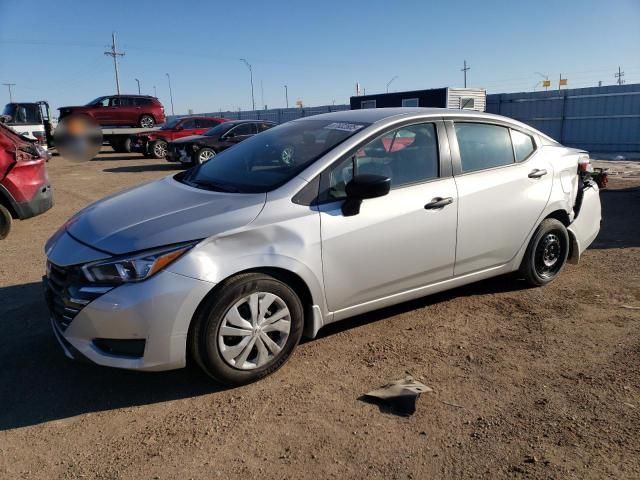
{"x": 537, "y": 173}
{"x": 438, "y": 202}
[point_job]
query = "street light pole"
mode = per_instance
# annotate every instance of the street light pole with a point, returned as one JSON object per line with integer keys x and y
{"x": 286, "y": 95}
{"x": 389, "y": 82}
{"x": 170, "y": 93}
{"x": 138, "y": 85}
{"x": 155, "y": 92}
{"x": 253, "y": 101}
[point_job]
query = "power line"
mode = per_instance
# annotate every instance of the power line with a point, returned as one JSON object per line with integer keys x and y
{"x": 619, "y": 76}
{"x": 9, "y": 85}
{"x": 115, "y": 54}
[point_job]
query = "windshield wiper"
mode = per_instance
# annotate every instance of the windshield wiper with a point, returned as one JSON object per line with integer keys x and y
{"x": 213, "y": 186}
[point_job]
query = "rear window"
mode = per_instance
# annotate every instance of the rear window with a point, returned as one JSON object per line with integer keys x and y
{"x": 483, "y": 146}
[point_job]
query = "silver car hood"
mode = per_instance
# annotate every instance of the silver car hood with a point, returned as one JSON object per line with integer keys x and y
{"x": 160, "y": 213}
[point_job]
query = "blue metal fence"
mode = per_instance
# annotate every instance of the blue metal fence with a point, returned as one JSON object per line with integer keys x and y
{"x": 598, "y": 119}
{"x": 278, "y": 115}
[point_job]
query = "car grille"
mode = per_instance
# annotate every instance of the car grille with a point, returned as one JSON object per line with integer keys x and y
{"x": 57, "y": 284}
{"x": 66, "y": 293}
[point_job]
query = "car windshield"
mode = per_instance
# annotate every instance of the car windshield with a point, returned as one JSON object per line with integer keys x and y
{"x": 271, "y": 158}
{"x": 217, "y": 130}
{"x": 171, "y": 124}
{"x": 95, "y": 101}
{"x": 26, "y": 113}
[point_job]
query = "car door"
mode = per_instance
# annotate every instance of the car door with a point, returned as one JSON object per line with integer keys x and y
{"x": 187, "y": 128}
{"x": 396, "y": 242}
{"x": 504, "y": 184}
{"x": 102, "y": 111}
{"x": 116, "y": 111}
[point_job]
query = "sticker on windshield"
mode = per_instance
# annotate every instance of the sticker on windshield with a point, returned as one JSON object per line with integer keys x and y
{"x": 344, "y": 126}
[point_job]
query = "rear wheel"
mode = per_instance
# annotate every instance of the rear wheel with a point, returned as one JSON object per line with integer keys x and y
{"x": 5, "y": 222}
{"x": 158, "y": 149}
{"x": 203, "y": 155}
{"x": 546, "y": 254}
{"x": 146, "y": 121}
{"x": 247, "y": 330}
{"x": 121, "y": 146}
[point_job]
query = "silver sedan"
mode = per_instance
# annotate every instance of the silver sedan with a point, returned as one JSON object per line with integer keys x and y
{"x": 307, "y": 224}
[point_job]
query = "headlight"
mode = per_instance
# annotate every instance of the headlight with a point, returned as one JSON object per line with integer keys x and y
{"x": 134, "y": 268}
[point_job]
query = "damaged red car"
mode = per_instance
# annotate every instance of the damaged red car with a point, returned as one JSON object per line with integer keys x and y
{"x": 25, "y": 190}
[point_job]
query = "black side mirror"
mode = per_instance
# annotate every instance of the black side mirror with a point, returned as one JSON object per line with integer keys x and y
{"x": 362, "y": 187}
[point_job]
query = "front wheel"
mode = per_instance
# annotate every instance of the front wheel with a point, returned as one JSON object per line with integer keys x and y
{"x": 203, "y": 155}
{"x": 146, "y": 121}
{"x": 158, "y": 149}
{"x": 247, "y": 330}
{"x": 5, "y": 222}
{"x": 546, "y": 253}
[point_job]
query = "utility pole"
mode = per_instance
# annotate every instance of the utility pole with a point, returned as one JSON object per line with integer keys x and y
{"x": 389, "y": 82}
{"x": 253, "y": 102}
{"x": 9, "y": 85}
{"x": 155, "y": 92}
{"x": 286, "y": 95}
{"x": 546, "y": 82}
{"x": 138, "y": 85}
{"x": 170, "y": 93}
{"x": 115, "y": 54}
{"x": 262, "y": 95}
{"x": 619, "y": 76}
{"x": 465, "y": 69}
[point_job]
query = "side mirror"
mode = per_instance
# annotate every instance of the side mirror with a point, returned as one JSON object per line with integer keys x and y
{"x": 362, "y": 187}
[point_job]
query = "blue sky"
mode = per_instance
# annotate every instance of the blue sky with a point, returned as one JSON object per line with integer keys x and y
{"x": 54, "y": 49}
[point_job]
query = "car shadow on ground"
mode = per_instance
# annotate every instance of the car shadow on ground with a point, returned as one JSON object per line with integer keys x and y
{"x": 39, "y": 384}
{"x": 161, "y": 167}
{"x": 620, "y": 218}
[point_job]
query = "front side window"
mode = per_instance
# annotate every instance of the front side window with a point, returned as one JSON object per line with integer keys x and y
{"x": 244, "y": 129}
{"x": 406, "y": 155}
{"x": 264, "y": 126}
{"x": 266, "y": 161}
{"x": 523, "y": 145}
{"x": 188, "y": 124}
{"x": 483, "y": 146}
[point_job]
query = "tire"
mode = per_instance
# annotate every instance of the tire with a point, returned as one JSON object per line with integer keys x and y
{"x": 546, "y": 253}
{"x": 121, "y": 146}
{"x": 146, "y": 121}
{"x": 203, "y": 155}
{"x": 5, "y": 222}
{"x": 158, "y": 149}
{"x": 223, "y": 357}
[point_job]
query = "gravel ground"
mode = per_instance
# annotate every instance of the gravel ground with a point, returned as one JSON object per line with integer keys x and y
{"x": 528, "y": 383}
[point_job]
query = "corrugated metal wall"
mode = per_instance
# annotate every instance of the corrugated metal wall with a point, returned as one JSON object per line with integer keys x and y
{"x": 598, "y": 119}
{"x": 479, "y": 96}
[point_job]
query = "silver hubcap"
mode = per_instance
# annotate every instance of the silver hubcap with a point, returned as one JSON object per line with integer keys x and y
{"x": 206, "y": 155}
{"x": 146, "y": 122}
{"x": 551, "y": 252}
{"x": 160, "y": 149}
{"x": 254, "y": 330}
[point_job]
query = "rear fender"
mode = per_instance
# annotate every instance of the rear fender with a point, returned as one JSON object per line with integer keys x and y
{"x": 586, "y": 226}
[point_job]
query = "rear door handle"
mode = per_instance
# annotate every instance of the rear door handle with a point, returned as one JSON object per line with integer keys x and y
{"x": 537, "y": 173}
{"x": 438, "y": 202}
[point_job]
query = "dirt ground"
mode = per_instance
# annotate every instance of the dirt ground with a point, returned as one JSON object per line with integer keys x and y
{"x": 528, "y": 383}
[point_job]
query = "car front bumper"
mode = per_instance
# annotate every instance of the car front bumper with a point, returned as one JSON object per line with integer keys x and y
{"x": 156, "y": 312}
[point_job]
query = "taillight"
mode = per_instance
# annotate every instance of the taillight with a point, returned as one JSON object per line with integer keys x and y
{"x": 584, "y": 164}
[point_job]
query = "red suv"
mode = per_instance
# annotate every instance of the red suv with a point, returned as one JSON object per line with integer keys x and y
{"x": 154, "y": 144}
{"x": 24, "y": 184}
{"x": 130, "y": 110}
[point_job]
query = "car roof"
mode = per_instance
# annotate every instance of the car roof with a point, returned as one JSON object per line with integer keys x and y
{"x": 238, "y": 122}
{"x": 373, "y": 115}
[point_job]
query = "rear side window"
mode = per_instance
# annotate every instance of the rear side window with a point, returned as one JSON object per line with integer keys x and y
{"x": 189, "y": 124}
{"x": 244, "y": 129}
{"x": 483, "y": 146}
{"x": 142, "y": 101}
{"x": 523, "y": 145}
{"x": 205, "y": 123}
{"x": 264, "y": 126}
